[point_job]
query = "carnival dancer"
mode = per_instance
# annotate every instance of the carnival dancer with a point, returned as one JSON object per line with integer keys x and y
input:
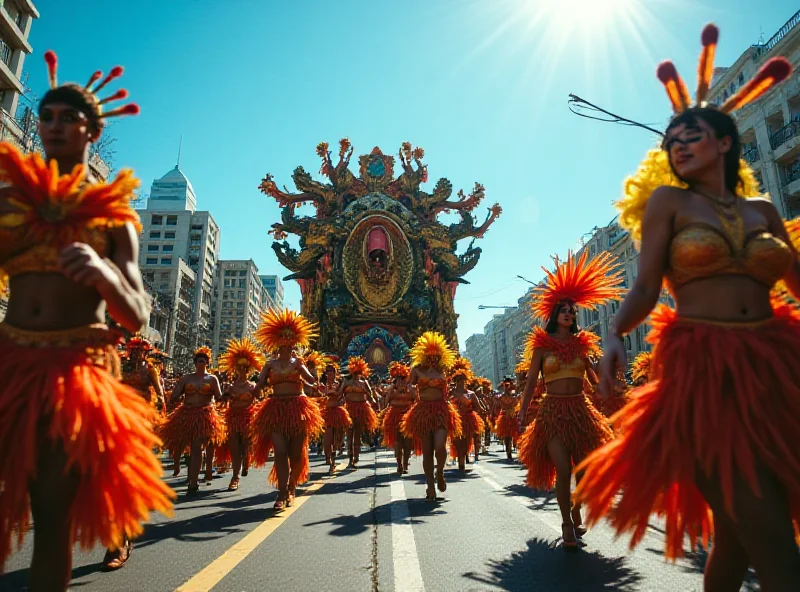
{"x": 141, "y": 374}
{"x": 432, "y": 418}
{"x": 337, "y": 419}
{"x": 506, "y": 426}
{"x": 567, "y": 426}
{"x": 640, "y": 369}
{"x": 398, "y": 400}
{"x": 287, "y": 419}
{"x": 715, "y": 429}
{"x": 77, "y": 445}
{"x": 195, "y": 424}
{"x": 484, "y": 391}
{"x": 466, "y": 402}
{"x": 358, "y": 398}
{"x": 239, "y": 360}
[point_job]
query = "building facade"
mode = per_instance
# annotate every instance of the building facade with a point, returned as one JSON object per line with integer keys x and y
{"x": 770, "y": 126}
{"x": 272, "y": 284}
{"x": 16, "y": 18}
{"x": 241, "y": 299}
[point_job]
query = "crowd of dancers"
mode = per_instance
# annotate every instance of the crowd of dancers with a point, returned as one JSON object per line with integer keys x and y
{"x": 705, "y": 438}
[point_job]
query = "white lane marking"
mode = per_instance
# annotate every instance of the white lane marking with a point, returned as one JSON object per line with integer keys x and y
{"x": 549, "y": 519}
{"x": 407, "y": 573}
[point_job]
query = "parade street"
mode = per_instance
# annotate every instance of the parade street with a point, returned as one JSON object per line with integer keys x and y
{"x": 370, "y": 529}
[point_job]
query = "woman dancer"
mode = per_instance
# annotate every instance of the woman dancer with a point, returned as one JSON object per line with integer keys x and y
{"x": 506, "y": 426}
{"x": 432, "y": 418}
{"x": 142, "y": 374}
{"x": 337, "y": 419}
{"x": 195, "y": 425}
{"x": 399, "y": 401}
{"x": 716, "y": 427}
{"x": 76, "y": 443}
{"x": 640, "y": 369}
{"x": 240, "y": 359}
{"x": 567, "y": 426}
{"x": 466, "y": 403}
{"x": 358, "y": 395}
{"x": 288, "y": 418}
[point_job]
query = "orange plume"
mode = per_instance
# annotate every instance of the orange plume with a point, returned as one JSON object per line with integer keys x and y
{"x": 357, "y": 366}
{"x": 203, "y": 350}
{"x": 241, "y": 353}
{"x": 676, "y": 88}
{"x": 773, "y": 72}
{"x": 461, "y": 367}
{"x": 583, "y": 282}
{"x": 431, "y": 349}
{"x": 138, "y": 342}
{"x": 705, "y": 68}
{"x": 641, "y": 366}
{"x": 399, "y": 370}
{"x": 523, "y": 367}
{"x": 51, "y": 59}
{"x": 284, "y": 328}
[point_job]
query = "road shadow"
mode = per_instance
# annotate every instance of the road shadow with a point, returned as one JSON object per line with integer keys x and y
{"x": 542, "y": 567}
{"x": 695, "y": 562}
{"x": 18, "y": 580}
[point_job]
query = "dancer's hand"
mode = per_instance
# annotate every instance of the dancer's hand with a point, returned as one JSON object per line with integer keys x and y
{"x": 613, "y": 359}
{"x": 81, "y": 264}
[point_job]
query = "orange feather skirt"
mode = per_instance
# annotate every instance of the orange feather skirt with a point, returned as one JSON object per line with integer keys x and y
{"x": 724, "y": 398}
{"x": 293, "y": 416}
{"x": 426, "y": 417}
{"x": 363, "y": 415}
{"x": 391, "y": 423}
{"x": 336, "y": 417}
{"x": 506, "y": 425}
{"x": 188, "y": 424}
{"x": 63, "y": 387}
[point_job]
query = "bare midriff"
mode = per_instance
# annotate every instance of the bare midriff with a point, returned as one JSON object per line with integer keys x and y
{"x": 241, "y": 394}
{"x": 50, "y": 302}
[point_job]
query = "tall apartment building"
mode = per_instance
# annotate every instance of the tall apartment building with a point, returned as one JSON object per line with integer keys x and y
{"x": 274, "y": 288}
{"x": 769, "y": 127}
{"x": 16, "y": 18}
{"x": 241, "y": 298}
{"x": 177, "y": 239}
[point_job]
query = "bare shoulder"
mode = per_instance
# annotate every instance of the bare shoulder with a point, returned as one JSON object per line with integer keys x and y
{"x": 667, "y": 198}
{"x": 763, "y": 206}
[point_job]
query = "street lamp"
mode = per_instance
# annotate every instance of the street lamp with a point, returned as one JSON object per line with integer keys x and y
{"x": 527, "y": 280}
{"x": 483, "y": 307}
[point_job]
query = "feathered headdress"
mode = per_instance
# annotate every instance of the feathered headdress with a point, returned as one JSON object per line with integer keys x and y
{"x": 316, "y": 360}
{"x": 357, "y": 366}
{"x": 284, "y": 327}
{"x": 523, "y": 366}
{"x": 203, "y": 350}
{"x": 641, "y": 366}
{"x": 241, "y": 354}
{"x": 137, "y": 342}
{"x": 486, "y": 384}
{"x": 90, "y": 90}
{"x": 461, "y": 367}
{"x": 580, "y": 281}
{"x": 399, "y": 370}
{"x": 431, "y": 349}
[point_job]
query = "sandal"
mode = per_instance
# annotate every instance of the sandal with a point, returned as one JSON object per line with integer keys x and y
{"x": 280, "y": 505}
{"x": 430, "y": 495}
{"x": 577, "y": 521}
{"x": 117, "y": 558}
{"x": 234, "y": 484}
{"x": 568, "y": 545}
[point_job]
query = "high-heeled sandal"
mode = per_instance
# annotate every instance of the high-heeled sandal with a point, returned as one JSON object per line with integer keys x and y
{"x": 116, "y": 559}
{"x": 577, "y": 522}
{"x": 234, "y": 484}
{"x": 280, "y": 505}
{"x": 569, "y": 545}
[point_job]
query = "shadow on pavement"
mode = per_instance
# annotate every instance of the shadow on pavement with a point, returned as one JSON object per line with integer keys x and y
{"x": 695, "y": 562}
{"x": 18, "y": 580}
{"x": 542, "y": 567}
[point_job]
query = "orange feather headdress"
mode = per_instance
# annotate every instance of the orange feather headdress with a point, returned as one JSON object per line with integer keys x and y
{"x": 284, "y": 328}
{"x": 431, "y": 349}
{"x": 203, "y": 350}
{"x": 317, "y": 360}
{"x": 137, "y": 342}
{"x": 523, "y": 367}
{"x": 357, "y": 366}
{"x": 241, "y": 353}
{"x": 774, "y": 71}
{"x": 641, "y": 366}
{"x": 578, "y": 280}
{"x": 461, "y": 367}
{"x": 399, "y": 370}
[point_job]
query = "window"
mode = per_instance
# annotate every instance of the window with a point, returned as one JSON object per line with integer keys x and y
{"x": 741, "y": 78}
{"x": 152, "y": 248}
{"x": 240, "y": 305}
{"x": 241, "y": 294}
{"x": 228, "y": 273}
{"x": 242, "y": 273}
{"x": 156, "y": 220}
{"x": 166, "y": 261}
{"x": 152, "y": 261}
{"x": 172, "y": 220}
{"x": 242, "y": 283}
{"x": 155, "y": 234}
{"x": 169, "y": 234}
{"x": 197, "y": 227}
{"x": 168, "y": 248}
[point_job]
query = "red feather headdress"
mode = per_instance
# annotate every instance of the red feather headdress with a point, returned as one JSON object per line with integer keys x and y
{"x": 399, "y": 370}
{"x": 357, "y": 366}
{"x": 581, "y": 281}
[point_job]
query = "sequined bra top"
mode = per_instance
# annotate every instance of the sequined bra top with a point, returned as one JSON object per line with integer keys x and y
{"x": 700, "y": 251}
{"x": 41, "y": 212}
{"x": 432, "y": 383}
{"x": 556, "y": 369}
{"x": 193, "y": 389}
{"x": 279, "y": 376}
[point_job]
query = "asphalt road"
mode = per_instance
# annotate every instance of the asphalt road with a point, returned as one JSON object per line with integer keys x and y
{"x": 371, "y": 530}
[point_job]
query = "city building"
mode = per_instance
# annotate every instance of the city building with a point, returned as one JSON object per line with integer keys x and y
{"x": 272, "y": 284}
{"x": 16, "y": 18}
{"x": 177, "y": 237}
{"x": 241, "y": 299}
{"x": 770, "y": 126}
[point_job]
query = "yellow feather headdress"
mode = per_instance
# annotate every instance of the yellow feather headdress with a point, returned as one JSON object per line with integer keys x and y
{"x": 523, "y": 366}
{"x": 431, "y": 349}
{"x": 241, "y": 353}
{"x": 316, "y": 360}
{"x": 284, "y": 328}
{"x": 461, "y": 367}
{"x": 641, "y": 366}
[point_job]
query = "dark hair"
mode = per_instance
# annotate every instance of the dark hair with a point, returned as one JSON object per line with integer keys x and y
{"x": 552, "y": 322}
{"x": 204, "y": 356}
{"x": 723, "y": 125}
{"x": 78, "y": 98}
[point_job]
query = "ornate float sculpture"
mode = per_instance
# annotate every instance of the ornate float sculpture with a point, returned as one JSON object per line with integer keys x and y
{"x": 375, "y": 266}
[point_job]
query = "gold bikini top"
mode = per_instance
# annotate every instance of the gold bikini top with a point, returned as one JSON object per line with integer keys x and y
{"x": 45, "y": 211}
{"x": 556, "y": 369}
{"x": 193, "y": 389}
{"x": 436, "y": 383}
{"x": 359, "y": 390}
{"x": 700, "y": 251}
{"x": 279, "y": 376}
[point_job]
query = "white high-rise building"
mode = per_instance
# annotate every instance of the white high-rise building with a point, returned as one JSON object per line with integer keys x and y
{"x": 272, "y": 284}
{"x": 241, "y": 298}
{"x": 176, "y": 235}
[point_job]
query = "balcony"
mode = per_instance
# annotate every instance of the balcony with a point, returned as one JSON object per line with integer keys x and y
{"x": 784, "y": 142}
{"x": 751, "y": 156}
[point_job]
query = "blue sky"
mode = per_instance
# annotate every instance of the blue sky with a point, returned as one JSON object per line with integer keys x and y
{"x": 254, "y": 85}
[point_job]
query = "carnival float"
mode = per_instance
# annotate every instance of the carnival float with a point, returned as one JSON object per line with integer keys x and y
{"x": 375, "y": 266}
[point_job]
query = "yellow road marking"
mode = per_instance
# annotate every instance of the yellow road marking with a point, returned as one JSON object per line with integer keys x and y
{"x": 213, "y": 573}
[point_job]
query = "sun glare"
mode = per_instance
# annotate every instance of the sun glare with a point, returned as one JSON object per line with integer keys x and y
{"x": 583, "y": 15}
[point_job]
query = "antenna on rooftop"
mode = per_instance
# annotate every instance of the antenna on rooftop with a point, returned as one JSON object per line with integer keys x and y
{"x": 180, "y": 145}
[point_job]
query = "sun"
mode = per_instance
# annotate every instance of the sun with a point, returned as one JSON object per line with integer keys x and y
{"x": 580, "y": 15}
